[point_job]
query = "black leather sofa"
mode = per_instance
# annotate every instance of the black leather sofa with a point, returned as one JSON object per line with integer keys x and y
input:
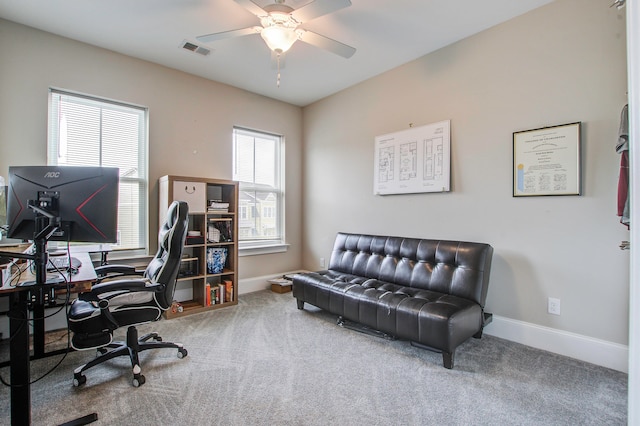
{"x": 430, "y": 292}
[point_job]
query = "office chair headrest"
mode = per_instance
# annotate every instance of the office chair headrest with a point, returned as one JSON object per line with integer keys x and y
{"x": 163, "y": 268}
{"x": 177, "y": 214}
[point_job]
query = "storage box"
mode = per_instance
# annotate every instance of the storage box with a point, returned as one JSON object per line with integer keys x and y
{"x": 194, "y": 193}
{"x": 281, "y": 285}
{"x": 278, "y": 288}
{"x": 193, "y": 241}
{"x": 188, "y": 267}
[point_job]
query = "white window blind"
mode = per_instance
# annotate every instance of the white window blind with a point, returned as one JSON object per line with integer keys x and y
{"x": 257, "y": 166}
{"x": 88, "y": 131}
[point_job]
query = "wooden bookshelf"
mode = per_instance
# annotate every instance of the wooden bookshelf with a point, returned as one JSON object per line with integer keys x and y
{"x": 212, "y": 233}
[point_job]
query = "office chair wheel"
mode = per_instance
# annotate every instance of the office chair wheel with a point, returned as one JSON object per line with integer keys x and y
{"x": 79, "y": 380}
{"x": 138, "y": 380}
{"x": 182, "y": 352}
{"x": 102, "y": 351}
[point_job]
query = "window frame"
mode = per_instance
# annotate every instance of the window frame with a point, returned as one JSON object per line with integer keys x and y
{"x": 247, "y": 247}
{"x": 143, "y": 159}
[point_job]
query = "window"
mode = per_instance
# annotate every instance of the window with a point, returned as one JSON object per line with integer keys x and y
{"x": 257, "y": 166}
{"x": 88, "y": 131}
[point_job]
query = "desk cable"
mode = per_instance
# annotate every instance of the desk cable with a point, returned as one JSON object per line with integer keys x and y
{"x": 26, "y": 321}
{"x": 14, "y": 279}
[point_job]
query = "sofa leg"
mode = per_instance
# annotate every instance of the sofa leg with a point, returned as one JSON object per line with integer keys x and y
{"x": 447, "y": 359}
{"x": 478, "y": 335}
{"x": 300, "y": 303}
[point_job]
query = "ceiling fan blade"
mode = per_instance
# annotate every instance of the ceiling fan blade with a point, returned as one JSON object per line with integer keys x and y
{"x": 229, "y": 34}
{"x": 318, "y": 8}
{"x": 326, "y": 43}
{"x": 252, "y": 7}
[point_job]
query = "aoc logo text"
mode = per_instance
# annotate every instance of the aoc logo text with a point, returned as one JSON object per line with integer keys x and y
{"x": 52, "y": 175}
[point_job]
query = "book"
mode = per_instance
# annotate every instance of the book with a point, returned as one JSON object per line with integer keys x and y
{"x": 208, "y": 294}
{"x": 228, "y": 285}
{"x": 218, "y": 205}
{"x": 213, "y": 294}
{"x": 221, "y": 293}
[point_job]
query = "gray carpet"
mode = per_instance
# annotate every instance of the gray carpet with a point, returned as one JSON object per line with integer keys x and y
{"x": 264, "y": 362}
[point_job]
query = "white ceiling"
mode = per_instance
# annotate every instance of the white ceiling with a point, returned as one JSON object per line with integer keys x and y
{"x": 386, "y": 34}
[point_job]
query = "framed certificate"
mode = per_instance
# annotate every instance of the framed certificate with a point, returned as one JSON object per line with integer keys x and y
{"x": 547, "y": 161}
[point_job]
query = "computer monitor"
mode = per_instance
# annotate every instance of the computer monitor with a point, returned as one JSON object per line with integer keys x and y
{"x": 63, "y": 203}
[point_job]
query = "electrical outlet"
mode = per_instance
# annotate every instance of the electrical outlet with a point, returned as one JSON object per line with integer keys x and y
{"x": 322, "y": 262}
{"x": 553, "y": 306}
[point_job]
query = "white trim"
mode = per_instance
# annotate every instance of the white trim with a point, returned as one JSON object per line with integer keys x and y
{"x": 588, "y": 349}
{"x": 265, "y": 249}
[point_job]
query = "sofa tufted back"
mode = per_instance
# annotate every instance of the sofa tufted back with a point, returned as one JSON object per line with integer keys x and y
{"x": 453, "y": 267}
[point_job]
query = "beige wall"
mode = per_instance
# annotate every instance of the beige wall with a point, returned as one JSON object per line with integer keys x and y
{"x": 562, "y": 63}
{"x": 190, "y": 118}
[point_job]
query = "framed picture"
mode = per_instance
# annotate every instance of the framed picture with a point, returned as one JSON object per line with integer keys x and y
{"x": 414, "y": 160}
{"x": 547, "y": 161}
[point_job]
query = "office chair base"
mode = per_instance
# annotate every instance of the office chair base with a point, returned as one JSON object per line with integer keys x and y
{"x": 84, "y": 420}
{"x": 131, "y": 347}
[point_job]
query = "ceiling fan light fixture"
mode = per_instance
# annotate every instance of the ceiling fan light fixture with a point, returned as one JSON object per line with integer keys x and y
{"x": 279, "y": 38}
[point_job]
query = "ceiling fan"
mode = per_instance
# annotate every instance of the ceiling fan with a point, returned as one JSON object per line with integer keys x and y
{"x": 280, "y": 26}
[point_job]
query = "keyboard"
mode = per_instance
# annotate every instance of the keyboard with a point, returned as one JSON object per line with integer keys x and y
{"x": 50, "y": 281}
{"x": 61, "y": 263}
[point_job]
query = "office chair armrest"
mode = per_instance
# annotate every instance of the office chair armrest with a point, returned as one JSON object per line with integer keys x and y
{"x": 128, "y": 285}
{"x": 119, "y": 287}
{"x": 117, "y": 269}
{"x": 113, "y": 271}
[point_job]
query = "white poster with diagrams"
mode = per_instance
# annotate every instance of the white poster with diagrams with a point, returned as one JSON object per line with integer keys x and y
{"x": 413, "y": 160}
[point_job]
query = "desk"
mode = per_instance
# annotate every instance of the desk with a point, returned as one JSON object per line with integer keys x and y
{"x": 19, "y": 354}
{"x": 103, "y": 249}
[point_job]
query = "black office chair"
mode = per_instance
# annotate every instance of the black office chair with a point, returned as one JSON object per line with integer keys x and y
{"x": 127, "y": 301}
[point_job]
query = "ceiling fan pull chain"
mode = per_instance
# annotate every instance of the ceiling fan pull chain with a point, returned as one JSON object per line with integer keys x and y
{"x": 278, "y": 79}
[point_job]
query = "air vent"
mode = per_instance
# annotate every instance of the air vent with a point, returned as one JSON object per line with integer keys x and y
{"x": 195, "y": 48}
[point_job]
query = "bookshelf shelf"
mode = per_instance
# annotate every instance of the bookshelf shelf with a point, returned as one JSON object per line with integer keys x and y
{"x": 211, "y": 246}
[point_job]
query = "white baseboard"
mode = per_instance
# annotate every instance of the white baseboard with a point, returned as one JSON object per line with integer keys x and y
{"x": 588, "y": 349}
